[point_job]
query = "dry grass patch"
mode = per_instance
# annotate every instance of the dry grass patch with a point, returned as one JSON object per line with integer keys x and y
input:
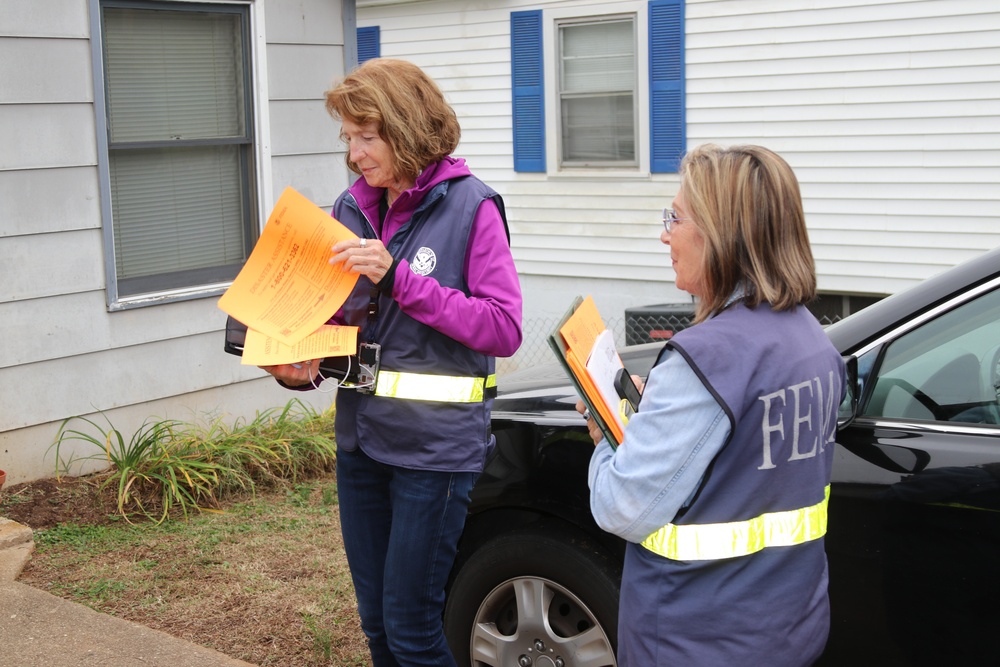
{"x": 265, "y": 580}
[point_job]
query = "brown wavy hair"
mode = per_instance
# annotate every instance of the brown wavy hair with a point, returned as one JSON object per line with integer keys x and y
{"x": 746, "y": 202}
{"x": 406, "y": 105}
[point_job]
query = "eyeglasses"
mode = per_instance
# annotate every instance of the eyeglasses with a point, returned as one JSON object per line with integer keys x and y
{"x": 670, "y": 219}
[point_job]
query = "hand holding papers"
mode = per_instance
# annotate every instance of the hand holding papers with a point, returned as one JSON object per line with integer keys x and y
{"x": 587, "y": 351}
{"x": 287, "y": 289}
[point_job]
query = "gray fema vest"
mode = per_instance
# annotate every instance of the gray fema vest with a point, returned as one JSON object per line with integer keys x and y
{"x": 425, "y": 435}
{"x": 770, "y": 607}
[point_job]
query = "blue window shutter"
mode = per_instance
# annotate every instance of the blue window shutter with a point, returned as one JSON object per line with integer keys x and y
{"x": 368, "y": 44}
{"x": 527, "y": 79}
{"x": 666, "y": 85}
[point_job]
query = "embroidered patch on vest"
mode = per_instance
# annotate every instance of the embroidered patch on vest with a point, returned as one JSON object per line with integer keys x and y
{"x": 424, "y": 262}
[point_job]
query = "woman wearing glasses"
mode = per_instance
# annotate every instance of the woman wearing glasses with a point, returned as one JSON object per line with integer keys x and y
{"x": 439, "y": 295}
{"x": 721, "y": 483}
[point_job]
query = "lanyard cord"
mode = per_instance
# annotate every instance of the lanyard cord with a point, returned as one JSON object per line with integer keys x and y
{"x": 372, "y": 313}
{"x": 373, "y": 294}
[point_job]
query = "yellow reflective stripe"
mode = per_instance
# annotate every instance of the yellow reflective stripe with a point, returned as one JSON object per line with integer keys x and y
{"x": 712, "y": 541}
{"x": 421, "y": 387}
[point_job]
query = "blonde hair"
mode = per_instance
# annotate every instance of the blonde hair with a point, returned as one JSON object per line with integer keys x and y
{"x": 408, "y": 108}
{"x": 745, "y": 200}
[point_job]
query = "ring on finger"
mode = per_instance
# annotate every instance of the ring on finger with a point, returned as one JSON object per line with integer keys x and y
{"x": 364, "y": 242}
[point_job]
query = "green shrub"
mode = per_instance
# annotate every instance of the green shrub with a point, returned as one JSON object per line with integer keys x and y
{"x": 169, "y": 466}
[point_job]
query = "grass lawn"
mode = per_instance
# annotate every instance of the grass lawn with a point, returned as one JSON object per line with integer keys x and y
{"x": 262, "y": 578}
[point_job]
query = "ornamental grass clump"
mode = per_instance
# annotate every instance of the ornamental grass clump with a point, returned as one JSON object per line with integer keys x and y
{"x": 169, "y": 467}
{"x": 284, "y": 444}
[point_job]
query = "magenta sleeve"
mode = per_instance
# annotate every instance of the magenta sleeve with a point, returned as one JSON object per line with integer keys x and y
{"x": 489, "y": 319}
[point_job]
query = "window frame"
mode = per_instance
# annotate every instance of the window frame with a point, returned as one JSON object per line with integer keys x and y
{"x": 561, "y": 95}
{"x": 254, "y": 161}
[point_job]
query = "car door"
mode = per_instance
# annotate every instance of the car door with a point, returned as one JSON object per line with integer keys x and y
{"x": 914, "y": 527}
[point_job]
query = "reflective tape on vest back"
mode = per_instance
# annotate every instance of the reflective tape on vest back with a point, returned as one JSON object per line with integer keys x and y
{"x": 714, "y": 541}
{"x": 422, "y": 387}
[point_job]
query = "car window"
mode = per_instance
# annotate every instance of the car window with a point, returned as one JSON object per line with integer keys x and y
{"x": 944, "y": 370}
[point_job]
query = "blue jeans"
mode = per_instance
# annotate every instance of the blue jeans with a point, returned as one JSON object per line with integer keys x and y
{"x": 401, "y": 529}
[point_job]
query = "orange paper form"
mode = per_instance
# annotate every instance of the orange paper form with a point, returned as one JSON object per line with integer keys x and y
{"x": 581, "y": 329}
{"x": 287, "y": 289}
{"x": 580, "y": 333}
{"x": 327, "y": 341}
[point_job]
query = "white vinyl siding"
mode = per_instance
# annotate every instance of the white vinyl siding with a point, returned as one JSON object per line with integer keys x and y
{"x": 889, "y": 112}
{"x": 64, "y": 352}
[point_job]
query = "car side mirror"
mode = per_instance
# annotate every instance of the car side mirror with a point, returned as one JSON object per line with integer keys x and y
{"x": 852, "y": 390}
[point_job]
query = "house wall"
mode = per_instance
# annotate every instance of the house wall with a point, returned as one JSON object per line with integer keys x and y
{"x": 889, "y": 112}
{"x": 62, "y": 353}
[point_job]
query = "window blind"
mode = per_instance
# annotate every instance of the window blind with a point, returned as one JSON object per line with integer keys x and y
{"x": 179, "y": 146}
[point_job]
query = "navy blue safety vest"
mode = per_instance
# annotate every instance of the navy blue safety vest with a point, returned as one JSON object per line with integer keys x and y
{"x": 740, "y": 575}
{"x": 423, "y": 429}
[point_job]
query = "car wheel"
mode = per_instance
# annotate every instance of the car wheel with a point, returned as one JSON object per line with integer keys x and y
{"x": 535, "y": 598}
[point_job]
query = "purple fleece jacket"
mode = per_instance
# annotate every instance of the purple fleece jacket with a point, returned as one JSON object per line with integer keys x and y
{"x": 494, "y": 302}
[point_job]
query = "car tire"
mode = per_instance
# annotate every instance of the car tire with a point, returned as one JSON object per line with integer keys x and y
{"x": 540, "y": 596}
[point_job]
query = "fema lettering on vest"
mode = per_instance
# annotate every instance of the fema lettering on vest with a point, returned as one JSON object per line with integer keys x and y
{"x": 799, "y": 403}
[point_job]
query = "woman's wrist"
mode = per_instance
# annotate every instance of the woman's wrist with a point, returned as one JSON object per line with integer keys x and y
{"x": 388, "y": 280}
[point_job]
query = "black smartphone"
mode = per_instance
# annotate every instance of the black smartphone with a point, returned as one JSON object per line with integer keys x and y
{"x": 626, "y": 388}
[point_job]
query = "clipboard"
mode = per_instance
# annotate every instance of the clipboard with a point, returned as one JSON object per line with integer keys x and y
{"x": 575, "y": 364}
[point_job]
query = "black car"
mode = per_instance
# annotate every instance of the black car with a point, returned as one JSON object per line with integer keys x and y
{"x": 914, "y": 516}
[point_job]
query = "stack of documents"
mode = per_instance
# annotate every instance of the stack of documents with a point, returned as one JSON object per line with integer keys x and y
{"x": 586, "y": 349}
{"x": 288, "y": 290}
